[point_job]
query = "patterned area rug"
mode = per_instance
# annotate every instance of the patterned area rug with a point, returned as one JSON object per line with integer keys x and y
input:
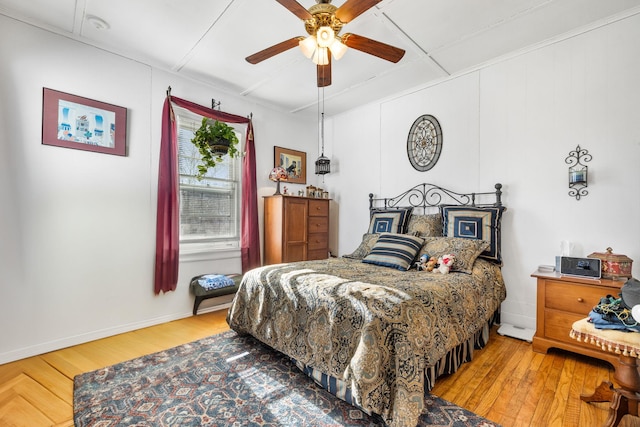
{"x": 225, "y": 380}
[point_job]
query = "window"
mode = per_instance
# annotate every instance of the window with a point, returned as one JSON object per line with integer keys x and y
{"x": 209, "y": 208}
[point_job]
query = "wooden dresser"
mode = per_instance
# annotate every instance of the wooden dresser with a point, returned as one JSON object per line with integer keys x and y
{"x": 295, "y": 229}
{"x": 561, "y": 301}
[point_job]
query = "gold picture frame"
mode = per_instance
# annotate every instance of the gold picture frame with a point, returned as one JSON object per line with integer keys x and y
{"x": 294, "y": 162}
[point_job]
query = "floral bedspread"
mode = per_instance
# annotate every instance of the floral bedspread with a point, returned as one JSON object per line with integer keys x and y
{"x": 375, "y": 328}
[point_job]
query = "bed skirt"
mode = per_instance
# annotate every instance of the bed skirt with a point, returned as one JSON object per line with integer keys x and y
{"x": 449, "y": 364}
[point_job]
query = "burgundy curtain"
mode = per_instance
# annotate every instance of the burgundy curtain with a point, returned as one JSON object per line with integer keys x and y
{"x": 250, "y": 241}
{"x": 167, "y": 233}
{"x": 167, "y": 236}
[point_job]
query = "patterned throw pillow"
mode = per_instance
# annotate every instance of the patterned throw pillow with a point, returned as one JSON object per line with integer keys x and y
{"x": 390, "y": 220}
{"x": 465, "y": 250}
{"x": 425, "y": 225}
{"x": 475, "y": 223}
{"x": 368, "y": 240}
{"x": 394, "y": 250}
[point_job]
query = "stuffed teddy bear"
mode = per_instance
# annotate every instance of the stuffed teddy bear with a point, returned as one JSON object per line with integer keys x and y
{"x": 445, "y": 262}
{"x": 427, "y": 263}
{"x": 431, "y": 264}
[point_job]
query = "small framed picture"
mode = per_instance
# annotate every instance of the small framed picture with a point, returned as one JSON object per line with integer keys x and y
{"x": 294, "y": 162}
{"x": 72, "y": 121}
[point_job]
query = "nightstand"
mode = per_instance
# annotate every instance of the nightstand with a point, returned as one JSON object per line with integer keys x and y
{"x": 563, "y": 300}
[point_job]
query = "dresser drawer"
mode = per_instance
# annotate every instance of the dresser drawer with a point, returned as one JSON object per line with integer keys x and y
{"x": 319, "y": 208}
{"x": 318, "y": 224}
{"x": 318, "y": 254}
{"x": 318, "y": 241}
{"x": 578, "y": 299}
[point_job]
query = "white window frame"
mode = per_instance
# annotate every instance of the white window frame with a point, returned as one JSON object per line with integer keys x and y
{"x": 204, "y": 248}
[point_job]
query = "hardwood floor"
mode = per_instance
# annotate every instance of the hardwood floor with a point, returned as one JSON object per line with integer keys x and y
{"x": 506, "y": 382}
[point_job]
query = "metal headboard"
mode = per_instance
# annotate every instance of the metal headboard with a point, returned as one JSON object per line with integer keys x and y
{"x": 429, "y": 195}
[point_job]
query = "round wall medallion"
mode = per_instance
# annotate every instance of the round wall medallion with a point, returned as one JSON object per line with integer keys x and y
{"x": 424, "y": 143}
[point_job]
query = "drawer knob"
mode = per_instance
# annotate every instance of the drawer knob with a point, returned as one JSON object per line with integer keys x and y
{"x": 580, "y": 299}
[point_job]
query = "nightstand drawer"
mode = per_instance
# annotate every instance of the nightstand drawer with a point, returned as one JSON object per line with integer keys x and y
{"x": 555, "y": 328}
{"x": 556, "y": 323}
{"x": 572, "y": 298}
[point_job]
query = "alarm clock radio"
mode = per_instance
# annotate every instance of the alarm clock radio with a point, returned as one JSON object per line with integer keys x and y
{"x": 583, "y": 267}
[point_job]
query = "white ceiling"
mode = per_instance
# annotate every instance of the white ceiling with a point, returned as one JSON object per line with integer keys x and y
{"x": 207, "y": 40}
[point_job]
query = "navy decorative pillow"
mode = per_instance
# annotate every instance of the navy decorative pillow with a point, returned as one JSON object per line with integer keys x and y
{"x": 394, "y": 250}
{"x": 470, "y": 222}
{"x": 390, "y": 221}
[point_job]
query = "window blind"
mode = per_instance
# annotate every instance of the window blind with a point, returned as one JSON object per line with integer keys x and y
{"x": 210, "y": 207}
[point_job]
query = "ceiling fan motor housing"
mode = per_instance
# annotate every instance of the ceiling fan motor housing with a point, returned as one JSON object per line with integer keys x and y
{"x": 323, "y": 16}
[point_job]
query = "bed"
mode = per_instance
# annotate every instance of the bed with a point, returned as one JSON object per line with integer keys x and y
{"x": 368, "y": 326}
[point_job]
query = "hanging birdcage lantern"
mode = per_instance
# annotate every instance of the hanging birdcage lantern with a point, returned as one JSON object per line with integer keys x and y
{"x": 323, "y": 164}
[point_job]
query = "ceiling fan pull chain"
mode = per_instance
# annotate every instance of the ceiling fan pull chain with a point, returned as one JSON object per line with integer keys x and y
{"x": 322, "y": 117}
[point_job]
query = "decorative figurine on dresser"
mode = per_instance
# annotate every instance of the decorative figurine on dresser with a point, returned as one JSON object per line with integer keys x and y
{"x": 295, "y": 228}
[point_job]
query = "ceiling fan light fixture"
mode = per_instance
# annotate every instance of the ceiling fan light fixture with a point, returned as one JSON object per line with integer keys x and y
{"x": 321, "y": 56}
{"x": 325, "y": 36}
{"x": 337, "y": 48}
{"x": 308, "y": 46}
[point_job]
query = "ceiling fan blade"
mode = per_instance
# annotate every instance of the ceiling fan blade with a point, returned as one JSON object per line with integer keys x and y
{"x": 324, "y": 74}
{"x": 273, "y": 50}
{"x": 372, "y": 47}
{"x": 353, "y": 8}
{"x": 296, "y": 8}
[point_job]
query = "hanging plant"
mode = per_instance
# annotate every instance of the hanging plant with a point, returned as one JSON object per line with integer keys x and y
{"x": 214, "y": 139}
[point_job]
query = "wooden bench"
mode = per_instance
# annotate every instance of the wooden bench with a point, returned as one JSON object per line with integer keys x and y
{"x": 202, "y": 293}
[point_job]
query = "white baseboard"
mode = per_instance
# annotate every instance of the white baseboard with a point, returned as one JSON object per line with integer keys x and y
{"x": 22, "y": 353}
{"x": 216, "y": 307}
{"x": 516, "y": 332}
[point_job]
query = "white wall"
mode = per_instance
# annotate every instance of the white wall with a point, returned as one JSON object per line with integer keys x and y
{"x": 77, "y": 229}
{"x": 514, "y": 122}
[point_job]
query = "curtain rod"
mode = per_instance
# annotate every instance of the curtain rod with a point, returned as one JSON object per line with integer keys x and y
{"x": 214, "y": 103}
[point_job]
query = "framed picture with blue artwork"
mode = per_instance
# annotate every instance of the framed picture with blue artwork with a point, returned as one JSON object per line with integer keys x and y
{"x": 294, "y": 162}
{"x": 72, "y": 121}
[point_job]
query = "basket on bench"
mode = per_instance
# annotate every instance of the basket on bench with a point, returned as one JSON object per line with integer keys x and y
{"x": 207, "y": 286}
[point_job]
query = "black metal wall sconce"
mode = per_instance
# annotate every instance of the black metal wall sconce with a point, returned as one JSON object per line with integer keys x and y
{"x": 578, "y": 172}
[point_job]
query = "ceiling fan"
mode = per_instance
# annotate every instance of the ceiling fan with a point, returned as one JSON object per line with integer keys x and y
{"x": 323, "y": 21}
